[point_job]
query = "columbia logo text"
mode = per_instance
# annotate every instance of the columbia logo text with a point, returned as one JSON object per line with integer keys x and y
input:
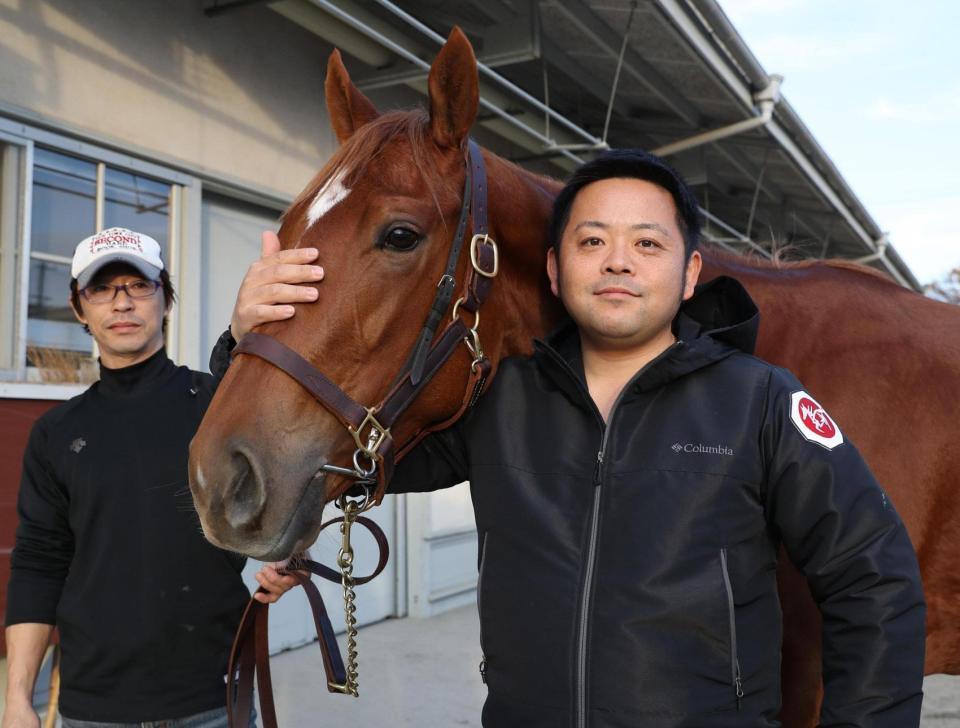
{"x": 702, "y": 449}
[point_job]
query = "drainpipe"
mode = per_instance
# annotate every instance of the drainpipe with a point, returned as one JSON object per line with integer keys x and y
{"x": 881, "y": 247}
{"x": 766, "y": 100}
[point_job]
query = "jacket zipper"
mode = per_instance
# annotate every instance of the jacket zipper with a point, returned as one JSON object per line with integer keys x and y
{"x": 581, "y": 688}
{"x": 483, "y": 653}
{"x": 735, "y": 677}
{"x": 585, "y": 596}
{"x": 581, "y": 679}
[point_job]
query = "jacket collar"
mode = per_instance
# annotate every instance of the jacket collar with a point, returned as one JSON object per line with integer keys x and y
{"x": 720, "y": 319}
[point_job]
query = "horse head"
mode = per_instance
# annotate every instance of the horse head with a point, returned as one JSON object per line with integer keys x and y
{"x": 383, "y": 213}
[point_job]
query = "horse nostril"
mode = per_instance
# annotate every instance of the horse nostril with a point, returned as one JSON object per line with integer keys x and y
{"x": 249, "y": 495}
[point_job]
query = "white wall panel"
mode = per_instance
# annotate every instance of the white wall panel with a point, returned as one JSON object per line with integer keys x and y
{"x": 441, "y": 551}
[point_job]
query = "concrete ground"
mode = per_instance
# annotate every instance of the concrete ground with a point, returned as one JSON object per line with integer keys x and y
{"x": 423, "y": 672}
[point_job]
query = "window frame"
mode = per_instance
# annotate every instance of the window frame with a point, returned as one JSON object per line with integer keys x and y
{"x": 14, "y": 372}
{"x": 13, "y": 346}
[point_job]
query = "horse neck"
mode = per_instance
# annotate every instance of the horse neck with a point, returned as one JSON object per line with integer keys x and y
{"x": 520, "y": 205}
{"x": 717, "y": 263}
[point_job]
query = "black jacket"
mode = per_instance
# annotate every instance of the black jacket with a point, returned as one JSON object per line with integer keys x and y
{"x": 109, "y": 549}
{"x": 627, "y": 572}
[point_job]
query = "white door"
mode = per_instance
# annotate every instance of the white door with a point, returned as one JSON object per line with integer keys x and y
{"x": 231, "y": 241}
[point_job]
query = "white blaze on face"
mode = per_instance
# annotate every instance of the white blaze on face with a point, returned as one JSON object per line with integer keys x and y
{"x": 328, "y": 196}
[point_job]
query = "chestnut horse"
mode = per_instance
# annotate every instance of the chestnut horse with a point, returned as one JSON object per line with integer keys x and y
{"x": 383, "y": 212}
{"x": 885, "y": 361}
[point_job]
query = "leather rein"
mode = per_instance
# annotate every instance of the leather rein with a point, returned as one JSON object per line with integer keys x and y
{"x": 376, "y": 451}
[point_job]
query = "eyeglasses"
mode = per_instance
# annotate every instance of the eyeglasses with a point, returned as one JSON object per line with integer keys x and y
{"x": 107, "y": 292}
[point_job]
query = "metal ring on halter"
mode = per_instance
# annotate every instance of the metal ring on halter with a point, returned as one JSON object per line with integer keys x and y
{"x": 456, "y": 309}
{"x": 361, "y": 505}
{"x": 364, "y": 473}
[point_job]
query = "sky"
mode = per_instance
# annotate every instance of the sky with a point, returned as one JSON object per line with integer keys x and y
{"x": 877, "y": 82}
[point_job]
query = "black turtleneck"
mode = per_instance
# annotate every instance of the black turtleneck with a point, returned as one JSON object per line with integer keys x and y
{"x": 136, "y": 379}
{"x": 109, "y": 549}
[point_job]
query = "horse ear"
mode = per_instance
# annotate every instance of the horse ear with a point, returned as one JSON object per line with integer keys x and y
{"x": 454, "y": 91}
{"x": 349, "y": 109}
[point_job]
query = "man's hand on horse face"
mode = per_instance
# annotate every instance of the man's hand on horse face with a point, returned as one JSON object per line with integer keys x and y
{"x": 275, "y": 584}
{"x": 270, "y": 285}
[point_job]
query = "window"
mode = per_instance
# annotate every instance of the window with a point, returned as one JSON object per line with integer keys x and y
{"x": 64, "y": 197}
{"x": 73, "y": 198}
{"x": 64, "y": 212}
{"x": 15, "y": 163}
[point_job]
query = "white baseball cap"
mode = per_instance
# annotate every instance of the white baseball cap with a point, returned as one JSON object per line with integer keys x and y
{"x": 113, "y": 245}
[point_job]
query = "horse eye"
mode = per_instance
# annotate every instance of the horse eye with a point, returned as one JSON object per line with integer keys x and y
{"x": 400, "y": 238}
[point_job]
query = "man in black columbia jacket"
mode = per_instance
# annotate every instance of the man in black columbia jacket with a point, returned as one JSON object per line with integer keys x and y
{"x": 633, "y": 481}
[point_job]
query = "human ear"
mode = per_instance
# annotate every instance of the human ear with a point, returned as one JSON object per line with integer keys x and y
{"x": 692, "y": 274}
{"x": 77, "y": 314}
{"x": 553, "y": 271}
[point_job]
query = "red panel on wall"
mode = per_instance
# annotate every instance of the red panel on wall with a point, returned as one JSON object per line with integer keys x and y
{"x": 16, "y": 418}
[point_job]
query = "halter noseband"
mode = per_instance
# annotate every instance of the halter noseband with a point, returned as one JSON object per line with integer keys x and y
{"x": 375, "y": 455}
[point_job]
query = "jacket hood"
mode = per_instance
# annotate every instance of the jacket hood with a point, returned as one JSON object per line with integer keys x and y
{"x": 720, "y": 319}
{"x": 721, "y": 310}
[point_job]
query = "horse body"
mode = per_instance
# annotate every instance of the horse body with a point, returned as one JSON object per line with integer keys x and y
{"x": 884, "y": 361}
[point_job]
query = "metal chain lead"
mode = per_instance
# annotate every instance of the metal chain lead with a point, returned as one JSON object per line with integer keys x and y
{"x": 345, "y": 561}
{"x": 351, "y": 509}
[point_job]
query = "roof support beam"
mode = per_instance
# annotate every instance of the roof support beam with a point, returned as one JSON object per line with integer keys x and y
{"x": 507, "y": 124}
{"x": 559, "y": 59}
{"x": 487, "y": 72}
{"x": 634, "y": 64}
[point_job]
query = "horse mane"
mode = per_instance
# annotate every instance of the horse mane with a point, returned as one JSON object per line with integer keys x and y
{"x": 778, "y": 263}
{"x": 367, "y": 143}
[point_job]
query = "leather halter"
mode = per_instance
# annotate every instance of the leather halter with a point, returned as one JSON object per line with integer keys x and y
{"x": 376, "y": 451}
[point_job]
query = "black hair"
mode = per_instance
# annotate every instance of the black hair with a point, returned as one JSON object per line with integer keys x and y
{"x": 635, "y": 164}
{"x": 169, "y": 296}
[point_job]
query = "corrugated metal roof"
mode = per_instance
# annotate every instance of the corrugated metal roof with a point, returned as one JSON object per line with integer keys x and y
{"x": 685, "y": 70}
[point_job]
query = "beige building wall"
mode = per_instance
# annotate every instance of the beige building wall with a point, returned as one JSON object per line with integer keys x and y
{"x": 238, "y": 96}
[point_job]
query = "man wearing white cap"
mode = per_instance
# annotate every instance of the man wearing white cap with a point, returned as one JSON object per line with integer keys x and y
{"x": 127, "y": 330}
{"x": 109, "y": 548}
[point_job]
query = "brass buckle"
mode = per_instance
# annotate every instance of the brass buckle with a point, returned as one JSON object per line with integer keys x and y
{"x": 485, "y": 239}
{"x": 375, "y": 438}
